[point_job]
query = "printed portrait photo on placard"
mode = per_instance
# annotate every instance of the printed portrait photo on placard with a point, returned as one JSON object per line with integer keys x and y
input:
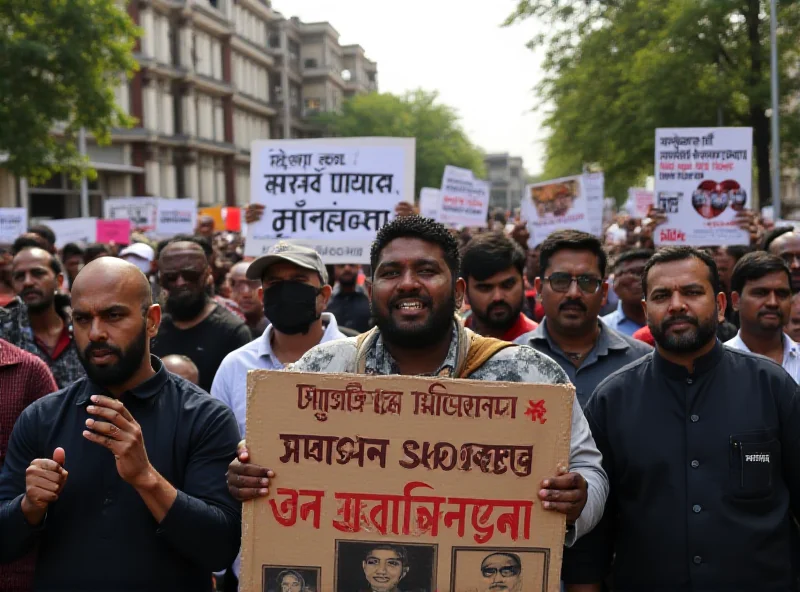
{"x": 499, "y": 570}
{"x": 283, "y": 578}
{"x": 383, "y": 566}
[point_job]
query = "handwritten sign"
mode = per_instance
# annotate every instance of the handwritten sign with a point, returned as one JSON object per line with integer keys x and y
{"x": 430, "y": 201}
{"x": 74, "y": 230}
{"x": 12, "y": 224}
{"x": 703, "y": 178}
{"x": 437, "y": 477}
{"x": 555, "y": 205}
{"x": 116, "y": 231}
{"x": 464, "y": 199}
{"x": 333, "y": 194}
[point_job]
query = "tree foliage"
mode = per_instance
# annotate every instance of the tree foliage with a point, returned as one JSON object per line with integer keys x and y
{"x": 60, "y": 61}
{"x": 440, "y": 138}
{"x": 618, "y": 69}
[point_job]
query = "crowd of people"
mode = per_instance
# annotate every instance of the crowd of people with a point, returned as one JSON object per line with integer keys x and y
{"x": 684, "y": 465}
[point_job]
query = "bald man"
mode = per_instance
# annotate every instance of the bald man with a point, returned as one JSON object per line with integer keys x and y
{"x": 183, "y": 367}
{"x": 38, "y": 320}
{"x": 249, "y": 296}
{"x": 787, "y": 247}
{"x": 130, "y": 461}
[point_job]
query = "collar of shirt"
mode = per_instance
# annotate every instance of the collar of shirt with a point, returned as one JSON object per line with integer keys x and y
{"x": 701, "y": 365}
{"x": 9, "y": 356}
{"x": 606, "y": 341}
{"x": 791, "y": 349}
{"x": 146, "y": 390}
{"x": 379, "y": 361}
{"x": 522, "y": 326}
{"x": 265, "y": 341}
{"x": 61, "y": 345}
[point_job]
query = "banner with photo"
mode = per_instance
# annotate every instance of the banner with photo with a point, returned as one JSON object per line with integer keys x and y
{"x": 555, "y": 205}
{"x": 332, "y": 194}
{"x": 403, "y": 483}
{"x": 703, "y": 178}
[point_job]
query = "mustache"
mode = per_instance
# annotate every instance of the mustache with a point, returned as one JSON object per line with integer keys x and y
{"x": 497, "y": 305}
{"x": 777, "y": 312}
{"x": 679, "y": 319}
{"x": 573, "y": 304}
{"x": 97, "y": 346}
{"x": 27, "y": 291}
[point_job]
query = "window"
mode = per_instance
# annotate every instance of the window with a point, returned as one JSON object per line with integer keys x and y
{"x": 313, "y": 105}
{"x": 310, "y": 63}
{"x": 274, "y": 40}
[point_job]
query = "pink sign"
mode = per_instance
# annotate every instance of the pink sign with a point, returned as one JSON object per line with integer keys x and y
{"x": 117, "y": 231}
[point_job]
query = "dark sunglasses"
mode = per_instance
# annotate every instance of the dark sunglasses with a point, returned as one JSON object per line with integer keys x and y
{"x": 506, "y": 572}
{"x": 188, "y": 275}
{"x": 561, "y": 281}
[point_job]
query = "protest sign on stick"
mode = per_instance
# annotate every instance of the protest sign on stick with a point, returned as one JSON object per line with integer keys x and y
{"x": 438, "y": 477}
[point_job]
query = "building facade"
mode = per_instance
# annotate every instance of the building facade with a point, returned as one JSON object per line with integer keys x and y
{"x": 507, "y": 178}
{"x": 214, "y": 76}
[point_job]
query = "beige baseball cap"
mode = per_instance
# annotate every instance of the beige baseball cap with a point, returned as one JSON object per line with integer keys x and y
{"x": 304, "y": 257}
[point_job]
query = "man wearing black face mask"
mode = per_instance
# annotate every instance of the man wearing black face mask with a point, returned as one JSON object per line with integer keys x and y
{"x": 295, "y": 291}
{"x": 195, "y": 325}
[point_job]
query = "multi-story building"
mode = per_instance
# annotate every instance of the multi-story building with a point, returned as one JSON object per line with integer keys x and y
{"x": 507, "y": 177}
{"x": 214, "y": 76}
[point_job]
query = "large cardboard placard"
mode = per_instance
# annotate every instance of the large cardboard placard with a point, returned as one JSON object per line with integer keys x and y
{"x": 430, "y": 481}
{"x": 332, "y": 194}
{"x": 704, "y": 176}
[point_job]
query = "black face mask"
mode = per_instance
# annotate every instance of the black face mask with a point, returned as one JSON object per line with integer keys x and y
{"x": 291, "y": 307}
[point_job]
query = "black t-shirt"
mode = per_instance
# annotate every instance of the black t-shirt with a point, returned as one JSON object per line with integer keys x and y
{"x": 206, "y": 344}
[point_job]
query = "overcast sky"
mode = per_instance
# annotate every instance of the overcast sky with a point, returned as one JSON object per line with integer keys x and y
{"x": 456, "y": 47}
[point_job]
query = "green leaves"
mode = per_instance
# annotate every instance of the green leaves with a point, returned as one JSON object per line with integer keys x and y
{"x": 60, "y": 61}
{"x": 417, "y": 114}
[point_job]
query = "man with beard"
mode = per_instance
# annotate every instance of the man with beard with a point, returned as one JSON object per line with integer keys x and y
{"x": 93, "y": 472}
{"x": 762, "y": 295}
{"x": 492, "y": 266}
{"x": 502, "y": 572}
{"x": 194, "y": 324}
{"x": 349, "y": 302}
{"x": 38, "y": 320}
{"x": 415, "y": 293}
{"x": 245, "y": 294}
{"x": 629, "y": 316}
{"x": 701, "y": 447}
{"x": 787, "y": 247}
{"x": 572, "y": 289}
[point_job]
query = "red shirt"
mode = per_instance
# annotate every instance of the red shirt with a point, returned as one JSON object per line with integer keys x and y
{"x": 537, "y": 308}
{"x": 61, "y": 345}
{"x": 23, "y": 379}
{"x": 645, "y": 335}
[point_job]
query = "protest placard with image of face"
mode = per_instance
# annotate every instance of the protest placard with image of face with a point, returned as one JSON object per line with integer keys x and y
{"x": 401, "y": 484}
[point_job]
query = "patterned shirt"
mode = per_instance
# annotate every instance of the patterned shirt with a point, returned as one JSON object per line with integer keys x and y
{"x": 512, "y": 364}
{"x": 24, "y": 378}
{"x": 15, "y": 327}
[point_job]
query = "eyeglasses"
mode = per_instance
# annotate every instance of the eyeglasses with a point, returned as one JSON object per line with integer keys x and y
{"x": 506, "y": 572}
{"x": 189, "y": 275}
{"x": 561, "y": 281}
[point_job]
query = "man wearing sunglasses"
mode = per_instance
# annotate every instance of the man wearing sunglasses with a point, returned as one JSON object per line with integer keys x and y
{"x": 195, "y": 325}
{"x": 502, "y": 572}
{"x": 572, "y": 289}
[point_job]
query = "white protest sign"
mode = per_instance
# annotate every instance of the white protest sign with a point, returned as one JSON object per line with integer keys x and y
{"x": 141, "y": 211}
{"x": 464, "y": 199}
{"x": 332, "y": 194}
{"x": 12, "y": 223}
{"x": 703, "y": 178}
{"x": 594, "y": 186}
{"x": 429, "y": 202}
{"x": 639, "y": 202}
{"x": 73, "y": 230}
{"x": 555, "y": 205}
{"x": 175, "y": 216}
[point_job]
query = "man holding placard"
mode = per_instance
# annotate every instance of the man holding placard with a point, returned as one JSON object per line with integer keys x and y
{"x": 415, "y": 293}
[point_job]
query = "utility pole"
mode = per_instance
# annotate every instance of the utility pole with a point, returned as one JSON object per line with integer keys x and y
{"x": 776, "y": 140}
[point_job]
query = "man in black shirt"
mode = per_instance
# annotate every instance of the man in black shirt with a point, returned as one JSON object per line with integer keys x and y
{"x": 701, "y": 444}
{"x": 349, "y": 302}
{"x": 120, "y": 477}
{"x": 194, "y": 326}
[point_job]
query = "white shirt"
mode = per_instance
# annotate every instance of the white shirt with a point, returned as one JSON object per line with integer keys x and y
{"x": 791, "y": 353}
{"x": 230, "y": 382}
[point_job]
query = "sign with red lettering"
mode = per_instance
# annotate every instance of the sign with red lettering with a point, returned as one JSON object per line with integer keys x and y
{"x": 703, "y": 178}
{"x": 403, "y": 483}
{"x": 463, "y": 199}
